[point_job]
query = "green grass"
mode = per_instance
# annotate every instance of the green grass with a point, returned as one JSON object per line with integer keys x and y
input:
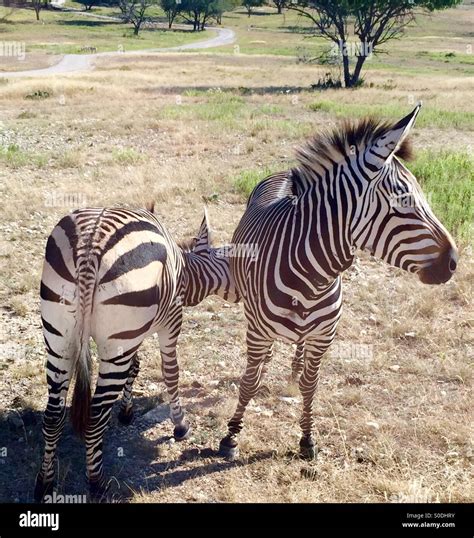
{"x": 217, "y": 106}
{"x": 14, "y": 157}
{"x": 127, "y": 156}
{"x": 246, "y": 180}
{"x": 68, "y": 33}
{"x": 429, "y": 117}
{"x": 448, "y": 180}
{"x": 447, "y": 57}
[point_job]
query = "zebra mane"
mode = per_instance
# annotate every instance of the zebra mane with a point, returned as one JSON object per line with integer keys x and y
{"x": 336, "y": 144}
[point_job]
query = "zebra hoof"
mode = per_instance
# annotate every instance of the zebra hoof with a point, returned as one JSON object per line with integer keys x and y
{"x": 308, "y": 450}
{"x": 228, "y": 448}
{"x": 182, "y": 432}
{"x": 125, "y": 417}
{"x": 42, "y": 489}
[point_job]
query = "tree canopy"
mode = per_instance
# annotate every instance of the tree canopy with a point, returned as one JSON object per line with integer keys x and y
{"x": 369, "y": 23}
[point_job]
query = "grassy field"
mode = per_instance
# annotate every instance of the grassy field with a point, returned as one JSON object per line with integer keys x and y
{"x": 194, "y": 128}
{"x": 73, "y": 33}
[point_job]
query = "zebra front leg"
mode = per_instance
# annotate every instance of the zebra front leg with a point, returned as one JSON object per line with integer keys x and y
{"x": 168, "y": 338}
{"x": 113, "y": 374}
{"x": 308, "y": 383}
{"x": 257, "y": 351}
{"x": 58, "y": 371}
{"x": 125, "y": 415}
{"x": 297, "y": 362}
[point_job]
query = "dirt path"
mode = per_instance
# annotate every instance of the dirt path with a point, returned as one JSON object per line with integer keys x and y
{"x": 75, "y": 63}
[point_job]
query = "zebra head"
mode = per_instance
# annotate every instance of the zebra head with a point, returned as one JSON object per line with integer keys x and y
{"x": 207, "y": 269}
{"x": 395, "y": 222}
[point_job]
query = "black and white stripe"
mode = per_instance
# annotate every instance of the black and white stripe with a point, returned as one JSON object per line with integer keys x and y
{"x": 306, "y": 225}
{"x": 115, "y": 275}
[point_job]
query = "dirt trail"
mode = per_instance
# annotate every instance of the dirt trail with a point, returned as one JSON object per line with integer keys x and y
{"x": 76, "y": 63}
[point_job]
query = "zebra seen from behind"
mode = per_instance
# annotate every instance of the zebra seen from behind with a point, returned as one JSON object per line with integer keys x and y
{"x": 115, "y": 275}
{"x": 348, "y": 191}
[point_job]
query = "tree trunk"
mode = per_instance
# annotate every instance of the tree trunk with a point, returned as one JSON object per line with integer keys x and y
{"x": 279, "y": 9}
{"x": 136, "y": 29}
{"x": 347, "y": 73}
{"x": 37, "y": 11}
{"x": 358, "y": 68}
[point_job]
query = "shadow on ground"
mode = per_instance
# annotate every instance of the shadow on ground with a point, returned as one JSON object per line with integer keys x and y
{"x": 131, "y": 459}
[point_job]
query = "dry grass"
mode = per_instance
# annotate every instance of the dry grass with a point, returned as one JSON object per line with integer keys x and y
{"x": 394, "y": 426}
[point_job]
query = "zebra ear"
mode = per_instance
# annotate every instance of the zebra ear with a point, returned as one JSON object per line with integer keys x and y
{"x": 389, "y": 143}
{"x": 203, "y": 239}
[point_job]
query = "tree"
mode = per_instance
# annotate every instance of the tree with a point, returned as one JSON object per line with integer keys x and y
{"x": 88, "y": 4}
{"x": 171, "y": 8}
{"x": 222, "y": 6}
{"x": 134, "y": 12}
{"x": 370, "y": 23}
{"x": 197, "y": 12}
{"x": 250, "y": 4}
{"x": 280, "y": 4}
{"x": 38, "y": 5}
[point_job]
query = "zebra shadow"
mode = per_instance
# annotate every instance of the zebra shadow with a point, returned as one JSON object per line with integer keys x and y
{"x": 135, "y": 461}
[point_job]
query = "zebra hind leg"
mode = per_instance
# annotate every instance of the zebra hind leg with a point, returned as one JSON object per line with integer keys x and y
{"x": 297, "y": 363}
{"x": 58, "y": 375}
{"x": 168, "y": 339}
{"x": 125, "y": 415}
{"x": 257, "y": 352}
{"x": 113, "y": 374}
{"x": 308, "y": 383}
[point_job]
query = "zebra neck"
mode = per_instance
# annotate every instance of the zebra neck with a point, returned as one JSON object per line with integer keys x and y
{"x": 197, "y": 278}
{"x": 321, "y": 230}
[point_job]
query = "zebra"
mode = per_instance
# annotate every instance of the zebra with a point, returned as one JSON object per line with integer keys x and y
{"x": 115, "y": 275}
{"x": 347, "y": 191}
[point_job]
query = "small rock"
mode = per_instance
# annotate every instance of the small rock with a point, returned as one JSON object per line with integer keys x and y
{"x": 233, "y": 387}
{"x": 410, "y": 335}
{"x": 196, "y": 385}
{"x": 221, "y": 364}
{"x": 288, "y": 399}
{"x": 374, "y": 425}
{"x": 394, "y": 367}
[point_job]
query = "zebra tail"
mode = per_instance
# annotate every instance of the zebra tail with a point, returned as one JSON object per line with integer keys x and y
{"x": 81, "y": 400}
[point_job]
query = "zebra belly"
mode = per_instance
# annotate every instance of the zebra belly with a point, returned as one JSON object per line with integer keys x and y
{"x": 294, "y": 322}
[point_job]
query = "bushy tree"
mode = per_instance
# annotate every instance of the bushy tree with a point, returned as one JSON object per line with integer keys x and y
{"x": 250, "y": 4}
{"x": 198, "y": 12}
{"x": 369, "y": 23}
{"x": 38, "y": 5}
{"x": 280, "y": 4}
{"x": 134, "y": 12}
{"x": 223, "y": 6}
{"x": 171, "y": 9}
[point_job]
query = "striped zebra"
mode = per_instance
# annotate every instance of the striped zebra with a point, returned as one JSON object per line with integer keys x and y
{"x": 348, "y": 191}
{"x": 115, "y": 275}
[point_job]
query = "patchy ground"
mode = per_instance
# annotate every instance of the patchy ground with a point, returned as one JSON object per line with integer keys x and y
{"x": 394, "y": 406}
